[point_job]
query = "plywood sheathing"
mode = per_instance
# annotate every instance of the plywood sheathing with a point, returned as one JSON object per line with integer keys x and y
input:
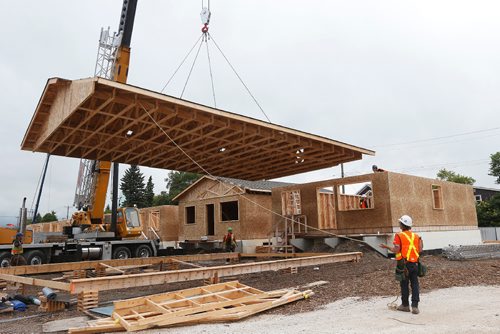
{"x": 254, "y": 211}
{"x": 163, "y": 219}
{"x": 413, "y": 196}
{"x": 393, "y": 195}
{"x": 89, "y": 118}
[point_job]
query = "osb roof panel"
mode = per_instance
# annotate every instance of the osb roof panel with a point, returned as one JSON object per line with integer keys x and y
{"x": 90, "y": 118}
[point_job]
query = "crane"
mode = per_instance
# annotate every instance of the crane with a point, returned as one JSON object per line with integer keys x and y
{"x": 113, "y": 60}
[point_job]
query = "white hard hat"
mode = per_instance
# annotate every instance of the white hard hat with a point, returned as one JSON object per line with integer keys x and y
{"x": 406, "y": 220}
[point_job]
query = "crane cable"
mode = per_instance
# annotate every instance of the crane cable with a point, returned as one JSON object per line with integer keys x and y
{"x": 206, "y": 172}
{"x": 182, "y": 62}
{"x": 211, "y": 75}
{"x": 191, "y": 70}
{"x": 205, "y": 37}
{"x": 241, "y": 80}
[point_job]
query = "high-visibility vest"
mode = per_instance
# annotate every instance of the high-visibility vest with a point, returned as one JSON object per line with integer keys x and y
{"x": 409, "y": 246}
{"x": 17, "y": 250}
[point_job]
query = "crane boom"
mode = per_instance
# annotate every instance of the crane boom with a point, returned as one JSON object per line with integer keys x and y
{"x": 112, "y": 62}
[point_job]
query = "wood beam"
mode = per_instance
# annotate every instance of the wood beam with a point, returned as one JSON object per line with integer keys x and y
{"x": 148, "y": 279}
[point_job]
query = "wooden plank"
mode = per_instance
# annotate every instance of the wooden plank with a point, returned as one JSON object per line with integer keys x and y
{"x": 70, "y": 266}
{"x": 276, "y": 255}
{"x": 36, "y": 281}
{"x": 146, "y": 279}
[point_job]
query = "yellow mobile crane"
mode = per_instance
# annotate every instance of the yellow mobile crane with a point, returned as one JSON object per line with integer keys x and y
{"x": 93, "y": 235}
{"x": 94, "y": 176}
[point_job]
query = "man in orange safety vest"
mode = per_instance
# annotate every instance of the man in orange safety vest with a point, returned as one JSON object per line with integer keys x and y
{"x": 407, "y": 247}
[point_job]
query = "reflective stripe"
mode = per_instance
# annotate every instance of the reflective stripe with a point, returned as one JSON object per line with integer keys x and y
{"x": 412, "y": 245}
{"x": 16, "y": 250}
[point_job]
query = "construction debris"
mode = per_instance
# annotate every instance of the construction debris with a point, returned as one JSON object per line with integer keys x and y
{"x": 485, "y": 251}
{"x": 229, "y": 301}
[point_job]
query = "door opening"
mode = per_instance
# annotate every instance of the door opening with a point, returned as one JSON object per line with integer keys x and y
{"x": 210, "y": 219}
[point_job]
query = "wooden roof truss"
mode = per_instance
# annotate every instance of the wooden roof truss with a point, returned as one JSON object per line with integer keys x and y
{"x": 103, "y": 120}
{"x": 229, "y": 301}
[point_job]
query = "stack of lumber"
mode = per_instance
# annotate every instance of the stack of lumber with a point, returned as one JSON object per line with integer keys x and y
{"x": 221, "y": 302}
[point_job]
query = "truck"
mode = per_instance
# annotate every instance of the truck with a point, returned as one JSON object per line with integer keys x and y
{"x": 93, "y": 235}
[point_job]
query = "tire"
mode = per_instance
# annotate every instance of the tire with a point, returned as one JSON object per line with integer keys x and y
{"x": 143, "y": 251}
{"x": 5, "y": 259}
{"x": 35, "y": 257}
{"x": 122, "y": 252}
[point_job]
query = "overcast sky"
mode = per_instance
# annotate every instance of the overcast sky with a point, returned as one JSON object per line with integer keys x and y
{"x": 369, "y": 73}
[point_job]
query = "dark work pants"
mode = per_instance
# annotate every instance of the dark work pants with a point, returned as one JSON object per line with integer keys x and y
{"x": 413, "y": 280}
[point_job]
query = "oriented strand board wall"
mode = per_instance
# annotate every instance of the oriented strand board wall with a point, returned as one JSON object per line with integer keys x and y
{"x": 373, "y": 220}
{"x": 393, "y": 195}
{"x": 412, "y": 195}
{"x": 168, "y": 228}
{"x": 254, "y": 222}
{"x": 56, "y": 226}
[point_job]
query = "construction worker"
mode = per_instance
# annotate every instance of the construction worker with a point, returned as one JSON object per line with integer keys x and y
{"x": 375, "y": 169}
{"x": 229, "y": 240}
{"x": 407, "y": 247}
{"x": 17, "y": 251}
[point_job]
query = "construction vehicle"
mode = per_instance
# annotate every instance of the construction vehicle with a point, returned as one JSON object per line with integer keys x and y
{"x": 92, "y": 234}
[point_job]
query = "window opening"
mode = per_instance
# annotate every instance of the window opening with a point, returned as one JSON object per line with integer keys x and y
{"x": 437, "y": 197}
{"x": 229, "y": 211}
{"x": 355, "y": 196}
{"x": 190, "y": 215}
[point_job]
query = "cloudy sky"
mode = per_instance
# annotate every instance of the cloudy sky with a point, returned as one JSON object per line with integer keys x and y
{"x": 416, "y": 81}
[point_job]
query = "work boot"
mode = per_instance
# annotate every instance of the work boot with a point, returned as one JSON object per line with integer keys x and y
{"x": 415, "y": 310}
{"x": 403, "y": 308}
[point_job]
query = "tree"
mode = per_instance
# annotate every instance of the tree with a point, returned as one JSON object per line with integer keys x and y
{"x": 495, "y": 166}
{"x": 108, "y": 209}
{"x": 178, "y": 181}
{"x": 49, "y": 217}
{"x": 161, "y": 199}
{"x": 38, "y": 219}
{"x": 450, "y": 176}
{"x": 132, "y": 187}
{"x": 488, "y": 212}
{"x": 149, "y": 193}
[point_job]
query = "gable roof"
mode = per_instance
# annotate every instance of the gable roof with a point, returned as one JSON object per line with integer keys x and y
{"x": 256, "y": 186}
{"x": 99, "y": 119}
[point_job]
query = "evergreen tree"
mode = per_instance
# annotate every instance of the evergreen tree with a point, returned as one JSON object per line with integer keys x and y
{"x": 178, "y": 181}
{"x": 132, "y": 187}
{"x": 149, "y": 192}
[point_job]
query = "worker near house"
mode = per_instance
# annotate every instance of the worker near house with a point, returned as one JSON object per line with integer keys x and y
{"x": 407, "y": 247}
{"x": 375, "y": 169}
{"x": 17, "y": 251}
{"x": 229, "y": 241}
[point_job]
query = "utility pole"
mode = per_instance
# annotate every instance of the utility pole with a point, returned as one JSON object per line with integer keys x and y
{"x": 67, "y": 211}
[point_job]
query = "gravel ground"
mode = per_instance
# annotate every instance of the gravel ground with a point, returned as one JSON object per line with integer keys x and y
{"x": 373, "y": 276}
{"x": 445, "y": 311}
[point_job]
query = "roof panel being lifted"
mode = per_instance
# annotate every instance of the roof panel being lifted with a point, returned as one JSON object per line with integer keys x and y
{"x": 99, "y": 119}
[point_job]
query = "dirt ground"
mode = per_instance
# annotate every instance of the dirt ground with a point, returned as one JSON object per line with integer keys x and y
{"x": 373, "y": 276}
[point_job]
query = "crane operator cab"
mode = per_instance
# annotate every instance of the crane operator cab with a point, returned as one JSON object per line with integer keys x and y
{"x": 128, "y": 222}
{"x": 130, "y": 226}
